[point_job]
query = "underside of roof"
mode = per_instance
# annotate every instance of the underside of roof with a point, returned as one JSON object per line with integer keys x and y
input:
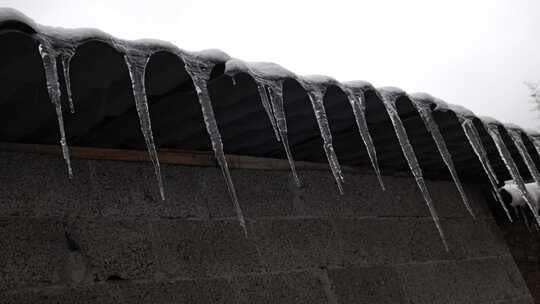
{"x": 106, "y": 116}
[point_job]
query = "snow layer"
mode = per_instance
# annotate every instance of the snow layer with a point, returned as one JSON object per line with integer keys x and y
{"x": 517, "y": 199}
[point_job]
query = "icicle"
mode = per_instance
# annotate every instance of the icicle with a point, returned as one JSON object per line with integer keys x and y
{"x": 136, "y": 65}
{"x": 275, "y": 90}
{"x": 536, "y": 144}
{"x": 408, "y": 152}
{"x": 512, "y": 168}
{"x": 476, "y": 143}
{"x": 516, "y": 211}
{"x": 316, "y": 97}
{"x": 53, "y": 87}
{"x": 200, "y": 74}
{"x": 498, "y": 198}
{"x": 65, "y": 58}
{"x": 267, "y": 107}
{"x": 433, "y": 128}
{"x": 525, "y": 219}
{"x": 360, "y": 116}
{"x": 518, "y": 141}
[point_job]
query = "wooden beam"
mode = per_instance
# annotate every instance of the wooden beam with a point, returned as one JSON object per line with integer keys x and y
{"x": 168, "y": 156}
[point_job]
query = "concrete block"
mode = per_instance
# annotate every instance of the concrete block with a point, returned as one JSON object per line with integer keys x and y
{"x": 95, "y": 294}
{"x": 532, "y": 278}
{"x": 402, "y": 240}
{"x": 196, "y": 249}
{"x": 470, "y": 281}
{"x": 373, "y": 240}
{"x": 296, "y": 243}
{"x": 206, "y": 291}
{"x": 526, "y": 299}
{"x": 363, "y": 196}
{"x": 126, "y": 291}
{"x": 114, "y": 248}
{"x": 265, "y": 193}
{"x": 32, "y": 252}
{"x": 403, "y": 198}
{"x": 214, "y": 188}
{"x": 130, "y": 189}
{"x": 378, "y": 284}
{"x": 423, "y": 242}
{"x": 447, "y": 199}
{"x": 283, "y": 288}
{"x": 479, "y": 202}
{"x": 406, "y": 200}
{"x": 318, "y": 196}
{"x": 38, "y": 185}
{"x": 479, "y": 238}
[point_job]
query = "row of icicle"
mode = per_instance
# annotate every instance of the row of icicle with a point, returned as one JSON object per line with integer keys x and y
{"x": 271, "y": 95}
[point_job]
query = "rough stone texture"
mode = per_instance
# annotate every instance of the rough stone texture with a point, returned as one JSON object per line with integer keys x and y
{"x": 130, "y": 190}
{"x": 286, "y": 288}
{"x": 181, "y": 292}
{"x": 107, "y": 237}
{"x": 32, "y": 252}
{"x": 525, "y": 248}
{"x": 47, "y": 190}
{"x": 203, "y": 249}
{"x": 296, "y": 244}
{"x": 375, "y": 284}
{"x": 483, "y": 280}
{"x": 115, "y": 248}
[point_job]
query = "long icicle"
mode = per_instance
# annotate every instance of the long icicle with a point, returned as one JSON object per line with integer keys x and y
{"x": 512, "y": 168}
{"x": 524, "y": 216}
{"x": 317, "y": 102}
{"x": 200, "y": 75}
{"x": 359, "y": 110}
{"x": 433, "y": 128}
{"x": 136, "y": 64}
{"x": 48, "y": 57}
{"x": 275, "y": 90}
{"x": 410, "y": 156}
{"x": 518, "y": 142}
{"x": 65, "y": 58}
{"x": 536, "y": 144}
{"x": 476, "y": 143}
{"x": 267, "y": 108}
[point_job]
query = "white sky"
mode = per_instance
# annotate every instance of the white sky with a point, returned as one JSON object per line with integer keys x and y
{"x": 476, "y": 53}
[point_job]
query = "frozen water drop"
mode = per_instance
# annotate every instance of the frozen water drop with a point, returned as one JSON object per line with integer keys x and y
{"x": 275, "y": 90}
{"x": 316, "y": 97}
{"x": 536, "y": 144}
{"x": 48, "y": 56}
{"x": 518, "y": 142}
{"x": 433, "y": 128}
{"x": 388, "y": 98}
{"x": 267, "y": 107}
{"x": 476, "y": 144}
{"x": 358, "y": 107}
{"x": 136, "y": 64}
{"x": 512, "y": 167}
{"x": 66, "y": 60}
{"x": 200, "y": 74}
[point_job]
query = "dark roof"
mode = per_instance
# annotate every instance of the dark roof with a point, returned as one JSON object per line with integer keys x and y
{"x": 106, "y": 116}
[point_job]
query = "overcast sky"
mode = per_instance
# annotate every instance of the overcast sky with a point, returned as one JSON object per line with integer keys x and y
{"x": 476, "y": 53}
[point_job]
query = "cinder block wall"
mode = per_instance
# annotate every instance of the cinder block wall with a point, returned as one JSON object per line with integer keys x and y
{"x": 106, "y": 237}
{"x": 525, "y": 248}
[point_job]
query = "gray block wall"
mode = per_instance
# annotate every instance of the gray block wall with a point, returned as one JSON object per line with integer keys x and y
{"x": 525, "y": 248}
{"x": 106, "y": 237}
